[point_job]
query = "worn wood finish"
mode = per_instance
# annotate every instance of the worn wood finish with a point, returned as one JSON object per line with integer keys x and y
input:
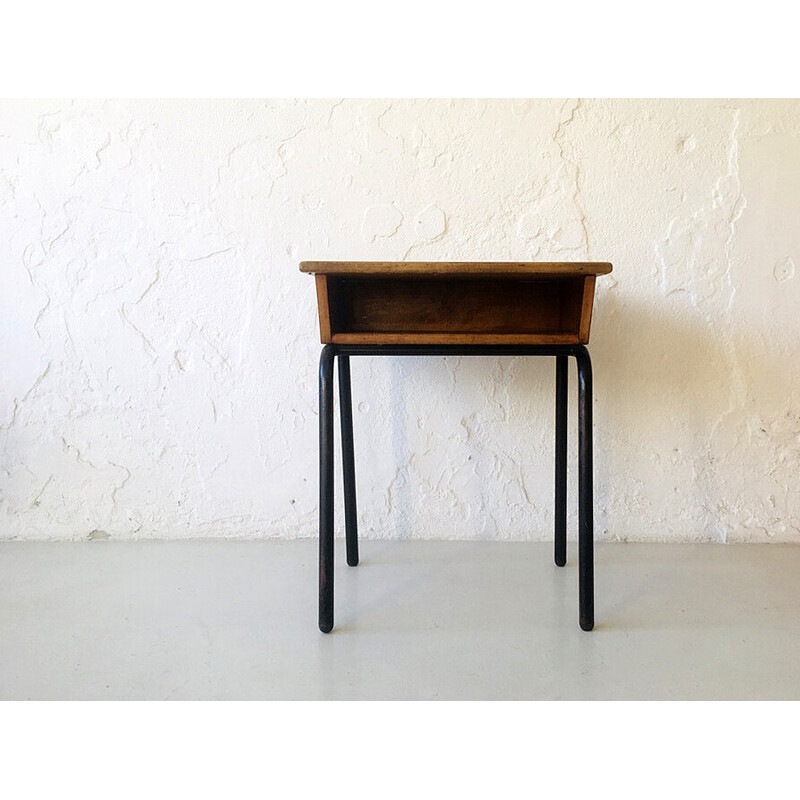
{"x": 455, "y": 302}
{"x": 586, "y": 309}
{"x": 450, "y": 268}
{"x": 324, "y": 310}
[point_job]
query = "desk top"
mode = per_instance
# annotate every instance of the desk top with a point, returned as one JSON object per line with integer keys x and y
{"x": 440, "y": 268}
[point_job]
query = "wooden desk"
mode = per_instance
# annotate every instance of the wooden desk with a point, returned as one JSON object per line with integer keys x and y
{"x": 454, "y": 303}
{"x": 456, "y": 308}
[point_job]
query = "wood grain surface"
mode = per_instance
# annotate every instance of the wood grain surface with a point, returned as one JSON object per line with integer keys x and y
{"x": 450, "y": 268}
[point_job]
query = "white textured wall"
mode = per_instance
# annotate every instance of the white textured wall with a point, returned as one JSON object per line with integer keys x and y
{"x": 159, "y": 346}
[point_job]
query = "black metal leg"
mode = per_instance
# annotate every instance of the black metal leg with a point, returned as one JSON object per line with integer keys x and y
{"x": 348, "y": 462}
{"x": 585, "y": 469}
{"x": 562, "y": 362}
{"x": 585, "y": 490}
{"x": 326, "y": 488}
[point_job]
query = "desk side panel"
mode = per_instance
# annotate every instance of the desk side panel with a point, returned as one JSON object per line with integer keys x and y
{"x": 324, "y": 309}
{"x": 586, "y": 309}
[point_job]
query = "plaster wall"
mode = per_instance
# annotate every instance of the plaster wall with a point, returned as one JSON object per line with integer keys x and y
{"x": 158, "y": 346}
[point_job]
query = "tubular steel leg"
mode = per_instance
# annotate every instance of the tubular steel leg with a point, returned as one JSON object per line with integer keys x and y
{"x": 562, "y": 363}
{"x": 348, "y": 461}
{"x": 326, "y": 488}
{"x": 585, "y": 469}
{"x": 585, "y": 490}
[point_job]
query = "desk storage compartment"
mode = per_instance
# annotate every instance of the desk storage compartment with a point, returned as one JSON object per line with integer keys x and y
{"x": 455, "y": 309}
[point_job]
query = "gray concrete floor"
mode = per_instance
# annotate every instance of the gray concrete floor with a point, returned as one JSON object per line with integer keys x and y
{"x": 416, "y": 620}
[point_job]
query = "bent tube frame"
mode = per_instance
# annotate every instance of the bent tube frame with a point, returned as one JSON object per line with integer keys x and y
{"x": 585, "y": 448}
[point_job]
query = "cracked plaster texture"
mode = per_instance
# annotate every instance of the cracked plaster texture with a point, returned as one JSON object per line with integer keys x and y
{"x": 159, "y": 346}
